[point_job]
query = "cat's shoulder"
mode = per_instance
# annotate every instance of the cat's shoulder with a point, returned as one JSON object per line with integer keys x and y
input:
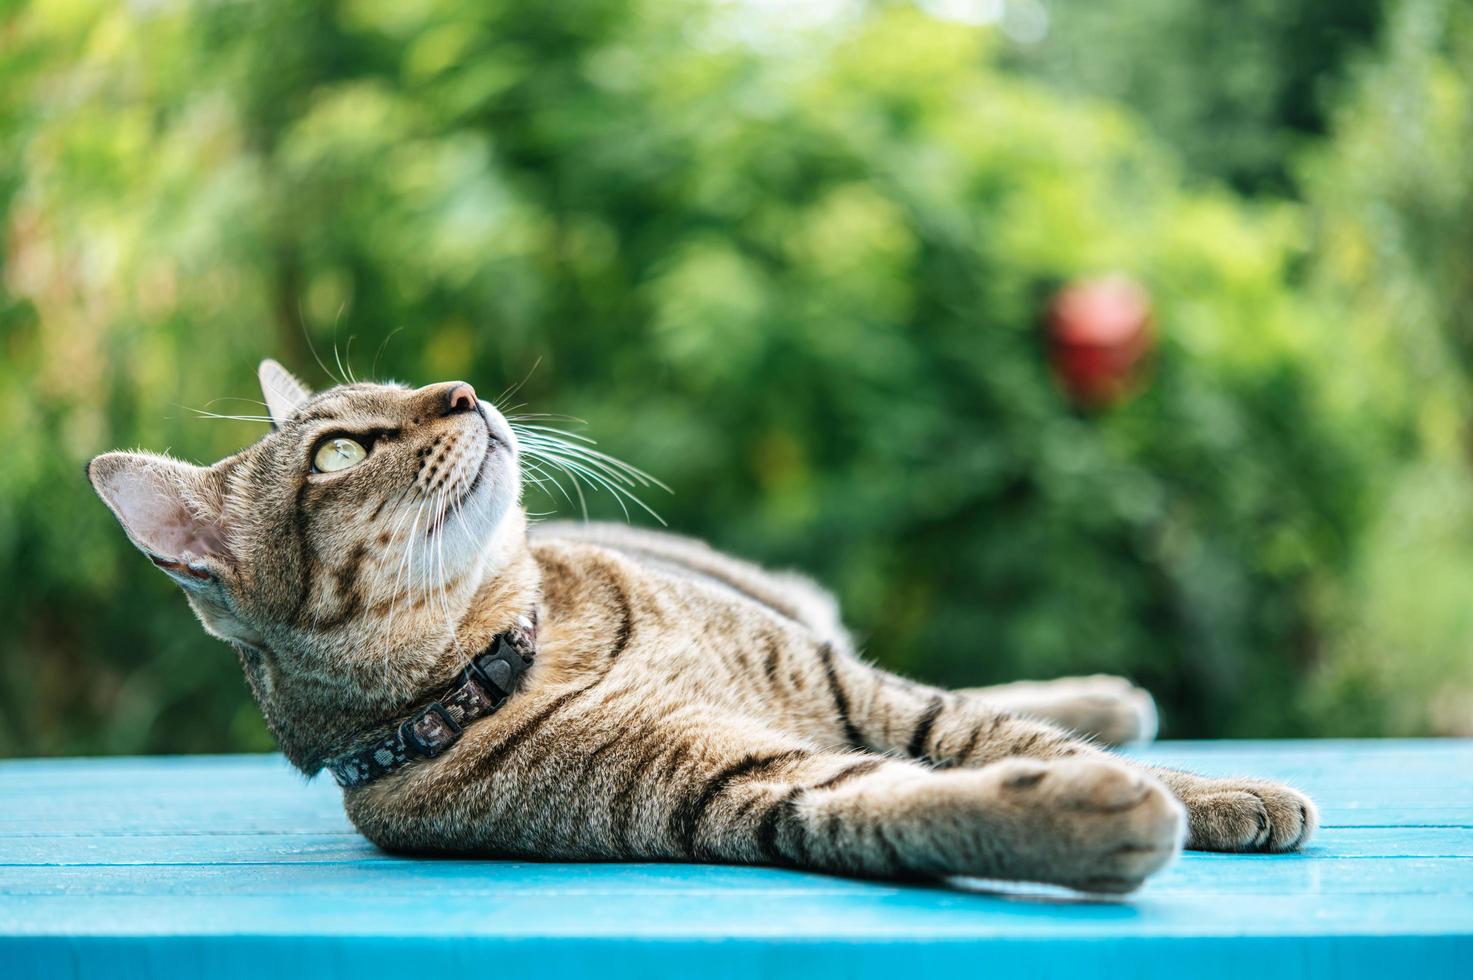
{"x": 673, "y": 558}
{"x": 619, "y": 537}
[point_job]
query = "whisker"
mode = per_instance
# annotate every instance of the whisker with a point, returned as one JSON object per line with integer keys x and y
{"x": 547, "y": 437}
{"x": 577, "y": 488}
{"x": 546, "y": 454}
{"x": 235, "y": 398}
{"x": 405, "y": 571}
{"x": 394, "y": 593}
{"x": 594, "y": 478}
{"x": 373, "y": 368}
{"x": 549, "y": 417}
{"x": 307, "y": 336}
{"x": 335, "y": 321}
{"x": 557, "y": 434}
{"x": 529, "y": 467}
{"x": 440, "y": 572}
{"x": 573, "y": 454}
{"x": 508, "y": 393}
{"x": 608, "y": 465}
{"x": 201, "y": 413}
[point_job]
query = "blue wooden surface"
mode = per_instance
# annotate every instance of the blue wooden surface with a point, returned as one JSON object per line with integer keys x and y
{"x": 235, "y": 867}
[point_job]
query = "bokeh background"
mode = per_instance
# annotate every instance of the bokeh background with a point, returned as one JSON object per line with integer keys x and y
{"x": 792, "y": 257}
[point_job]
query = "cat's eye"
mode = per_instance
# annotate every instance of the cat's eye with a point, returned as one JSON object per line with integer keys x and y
{"x": 338, "y": 453}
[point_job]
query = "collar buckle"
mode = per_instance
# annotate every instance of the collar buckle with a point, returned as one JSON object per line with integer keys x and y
{"x": 498, "y": 671}
{"x": 484, "y": 686}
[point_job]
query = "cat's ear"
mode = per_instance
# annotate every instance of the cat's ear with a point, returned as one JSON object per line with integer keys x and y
{"x": 284, "y": 393}
{"x": 172, "y": 511}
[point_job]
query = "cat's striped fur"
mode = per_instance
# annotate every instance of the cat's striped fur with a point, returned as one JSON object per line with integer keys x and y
{"x": 683, "y": 705}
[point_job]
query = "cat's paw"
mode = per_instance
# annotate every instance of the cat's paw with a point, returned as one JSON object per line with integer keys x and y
{"x": 1247, "y": 815}
{"x": 1091, "y": 824}
{"x": 1111, "y": 709}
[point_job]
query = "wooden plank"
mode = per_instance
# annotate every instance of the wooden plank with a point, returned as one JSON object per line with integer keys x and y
{"x": 1197, "y": 882}
{"x": 251, "y": 957}
{"x": 1356, "y": 783}
{"x": 80, "y": 848}
{"x": 235, "y": 867}
{"x": 1394, "y": 783}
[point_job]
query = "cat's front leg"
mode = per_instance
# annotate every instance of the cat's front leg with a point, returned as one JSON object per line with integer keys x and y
{"x": 1109, "y": 709}
{"x": 1242, "y": 814}
{"x": 1089, "y": 824}
{"x": 1231, "y": 814}
{"x": 694, "y": 785}
{"x": 963, "y": 729}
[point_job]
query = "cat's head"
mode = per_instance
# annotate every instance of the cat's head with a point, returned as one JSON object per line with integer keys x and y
{"x": 345, "y": 543}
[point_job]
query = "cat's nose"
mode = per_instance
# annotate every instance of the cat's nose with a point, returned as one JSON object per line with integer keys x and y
{"x": 460, "y": 397}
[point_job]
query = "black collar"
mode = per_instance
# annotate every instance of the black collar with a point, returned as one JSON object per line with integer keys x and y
{"x": 487, "y": 682}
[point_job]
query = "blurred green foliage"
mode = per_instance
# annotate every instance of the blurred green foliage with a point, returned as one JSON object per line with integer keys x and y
{"x": 1236, "y": 88}
{"x": 1392, "y": 200}
{"x": 796, "y": 270}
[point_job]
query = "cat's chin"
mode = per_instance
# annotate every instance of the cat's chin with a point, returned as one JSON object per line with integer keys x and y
{"x": 500, "y": 431}
{"x": 495, "y": 523}
{"x": 498, "y": 476}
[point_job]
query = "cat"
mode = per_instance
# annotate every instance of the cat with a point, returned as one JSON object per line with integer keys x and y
{"x": 639, "y": 696}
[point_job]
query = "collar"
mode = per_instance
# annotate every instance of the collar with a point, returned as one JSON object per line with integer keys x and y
{"x": 484, "y": 686}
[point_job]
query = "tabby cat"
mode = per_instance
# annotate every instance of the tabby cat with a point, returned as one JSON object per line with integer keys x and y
{"x": 653, "y": 699}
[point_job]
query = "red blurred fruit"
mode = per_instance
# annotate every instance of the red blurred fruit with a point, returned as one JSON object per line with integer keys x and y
{"x": 1099, "y": 335}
